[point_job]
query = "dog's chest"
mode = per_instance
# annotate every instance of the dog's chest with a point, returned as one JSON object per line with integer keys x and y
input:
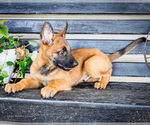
{"x": 45, "y": 70}
{"x": 45, "y": 83}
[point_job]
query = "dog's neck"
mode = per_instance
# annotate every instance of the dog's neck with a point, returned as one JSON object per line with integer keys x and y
{"x": 46, "y": 69}
{"x": 47, "y": 66}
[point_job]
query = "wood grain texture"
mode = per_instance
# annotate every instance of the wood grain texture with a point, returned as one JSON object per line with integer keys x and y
{"x": 135, "y": 80}
{"x": 75, "y": 1}
{"x": 124, "y": 37}
{"x": 82, "y": 26}
{"x": 130, "y": 58}
{"x": 106, "y": 46}
{"x": 128, "y": 69}
{"x": 120, "y": 102}
{"x": 124, "y": 92}
{"x": 75, "y": 7}
{"x": 74, "y": 17}
{"x": 130, "y": 79}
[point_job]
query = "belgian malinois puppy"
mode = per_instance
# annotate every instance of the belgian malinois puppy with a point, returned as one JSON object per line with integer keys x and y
{"x": 58, "y": 68}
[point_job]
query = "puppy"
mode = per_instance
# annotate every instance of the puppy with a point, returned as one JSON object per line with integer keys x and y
{"x": 58, "y": 68}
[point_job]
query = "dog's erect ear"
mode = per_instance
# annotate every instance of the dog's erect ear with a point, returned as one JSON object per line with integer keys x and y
{"x": 47, "y": 34}
{"x": 62, "y": 33}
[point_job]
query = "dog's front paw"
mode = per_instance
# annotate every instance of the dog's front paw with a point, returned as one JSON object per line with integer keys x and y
{"x": 12, "y": 88}
{"x": 48, "y": 92}
{"x": 100, "y": 85}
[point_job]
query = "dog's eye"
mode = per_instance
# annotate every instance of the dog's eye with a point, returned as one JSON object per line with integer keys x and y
{"x": 64, "y": 49}
{"x": 61, "y": 52}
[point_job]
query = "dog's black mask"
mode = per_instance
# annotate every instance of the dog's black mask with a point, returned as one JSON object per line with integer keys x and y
{"x": 65, "y": 60}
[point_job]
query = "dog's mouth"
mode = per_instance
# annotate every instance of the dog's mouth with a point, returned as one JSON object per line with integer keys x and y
{"x": 62, "y": 67}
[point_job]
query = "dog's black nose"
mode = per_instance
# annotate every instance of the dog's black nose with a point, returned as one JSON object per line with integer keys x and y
{"x": 74, "y": 63}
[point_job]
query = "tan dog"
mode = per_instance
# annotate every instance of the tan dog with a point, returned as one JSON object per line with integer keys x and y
{"x": 58, "y": 68}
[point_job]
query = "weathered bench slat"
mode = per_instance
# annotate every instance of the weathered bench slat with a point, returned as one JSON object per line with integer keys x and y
{"x": 82, "y": 26}
{"x": 107, "y": 46}
{"x": 32, "y": 111}
{"x": 80, "y": 93}
{"x": 75, "y": 7}
{"x": 122, "y": 102}
{"x": 128, "y": 69}
{"x": 110, "y": 46}
{"x": 90, "y": 37}
{"x": 135, "y": 80}
{"x": 130, "y": 58}
{"x": 74, "y": 17}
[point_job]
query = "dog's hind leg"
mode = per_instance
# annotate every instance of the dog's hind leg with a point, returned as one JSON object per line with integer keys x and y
{"x": 28, "y": 83}
{"x": 97, "y": 67}
{"x": 104, "y": 81}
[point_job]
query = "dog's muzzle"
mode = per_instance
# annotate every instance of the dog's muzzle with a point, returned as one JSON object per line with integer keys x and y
{"x": 66, "y": 66}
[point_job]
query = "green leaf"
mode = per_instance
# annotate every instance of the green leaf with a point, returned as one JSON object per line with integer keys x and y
{"x": 17, "y": 62}
{"x": 9, "y": 63}
{"x": 11, "y": 39}
{"x": 2, "y": 40}
{"x": 1, "y": 78}
{"x": 32, "y": 43}
{"x": 19, "y": 74}
{"x": 28, "y": 60}
{"x": 16, "y": 43}
{"x": 1, "y": 67}
{"x": 11, "y": 80}
{"x": 3, "y": 21}
{"x": 10, "y": 46}
{"x": 26, "y": 52}
{"x": 22, "y": 65}
{"x": 23, "y": 73}
{"x": 1, "y": 49}
{"x": 4, "y": 30}
{"x": 34, "y": 55}
{"x": 4, "y": 74}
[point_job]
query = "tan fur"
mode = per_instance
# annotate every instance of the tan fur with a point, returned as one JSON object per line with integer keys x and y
{"x": 92, "y": 64}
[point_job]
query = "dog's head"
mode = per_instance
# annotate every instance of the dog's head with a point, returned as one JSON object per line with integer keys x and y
{"x": 56, "y": 48}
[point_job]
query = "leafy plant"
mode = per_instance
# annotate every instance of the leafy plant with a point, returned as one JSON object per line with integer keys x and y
{"x": 4, "y": 29}
{"x": 8, "y": 42}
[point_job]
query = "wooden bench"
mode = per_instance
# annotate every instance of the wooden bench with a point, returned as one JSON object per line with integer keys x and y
{"x": 108, "y": 26}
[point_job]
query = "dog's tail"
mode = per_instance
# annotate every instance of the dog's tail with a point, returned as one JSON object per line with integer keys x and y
{"x": 127, "y": 49}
